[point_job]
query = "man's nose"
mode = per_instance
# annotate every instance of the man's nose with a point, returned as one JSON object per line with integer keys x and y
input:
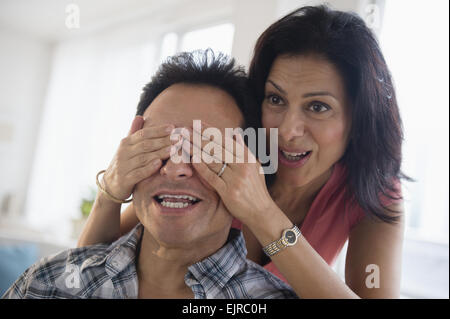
{"x": 176, "y": 171}
{"x": 293, "y": 126}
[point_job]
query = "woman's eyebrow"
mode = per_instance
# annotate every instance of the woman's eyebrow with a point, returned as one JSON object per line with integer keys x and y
{"x": 310, "y": 94}
{"x": 319, "y": 93}
{"x": 277, "y": 87}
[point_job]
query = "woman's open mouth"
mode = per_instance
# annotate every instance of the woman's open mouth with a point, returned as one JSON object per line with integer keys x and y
{"x": 293, "y": 159}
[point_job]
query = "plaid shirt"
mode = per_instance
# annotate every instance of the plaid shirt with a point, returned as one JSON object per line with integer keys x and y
{"x": 109, "y": 271}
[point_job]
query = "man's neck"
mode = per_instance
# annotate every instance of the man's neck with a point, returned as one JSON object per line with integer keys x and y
{"x": 161, "y": 270}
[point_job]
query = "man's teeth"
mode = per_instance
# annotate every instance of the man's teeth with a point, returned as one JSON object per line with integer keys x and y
{"x": 178, "y": 196}
{"x": 174, "y": 205}
{"x": 177, "y": 204}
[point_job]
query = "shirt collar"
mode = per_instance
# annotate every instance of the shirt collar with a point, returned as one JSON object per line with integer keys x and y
{"x": 214, "y": 272}
{"x": 119, "y": 255}
{"x": 124, "y": 251}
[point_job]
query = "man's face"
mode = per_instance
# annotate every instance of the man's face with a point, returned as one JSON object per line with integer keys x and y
{"x": 208, "y": 218}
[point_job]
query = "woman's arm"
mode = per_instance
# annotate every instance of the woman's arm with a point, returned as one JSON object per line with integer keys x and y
{"x": 304, "y": 269}
{"x": 103, "y": 223}
{"x": 106, "y": 223}
{"x": 374, "y": 257}
{"x": 371, "y": 243}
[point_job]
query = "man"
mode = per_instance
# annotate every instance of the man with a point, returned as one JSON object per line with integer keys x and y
{"x": 184, "y": 246}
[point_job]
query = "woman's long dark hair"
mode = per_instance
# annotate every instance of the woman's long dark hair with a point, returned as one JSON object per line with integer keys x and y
{"x": 373, "y": 156}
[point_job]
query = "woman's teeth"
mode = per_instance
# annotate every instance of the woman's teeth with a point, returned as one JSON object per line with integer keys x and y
{"x": 176, "y": 201}
{"x": 294, "y": 156}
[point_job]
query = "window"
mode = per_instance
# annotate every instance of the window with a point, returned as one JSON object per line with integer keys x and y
{"x": 414, "y": 40}
{"x": 219, "y": 38}
{"x": 419, "y": 64}
{"x": 168, "y": 45}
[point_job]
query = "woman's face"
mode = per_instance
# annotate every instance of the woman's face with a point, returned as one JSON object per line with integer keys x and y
{"x": 305, "y": 99}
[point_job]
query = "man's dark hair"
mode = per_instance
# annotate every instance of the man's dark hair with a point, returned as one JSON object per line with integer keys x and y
{"x": 373, "y": 156}
{"x": 201, "y": 67}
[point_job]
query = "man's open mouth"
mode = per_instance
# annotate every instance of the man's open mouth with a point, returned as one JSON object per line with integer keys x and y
{"x": 176, "y": 201}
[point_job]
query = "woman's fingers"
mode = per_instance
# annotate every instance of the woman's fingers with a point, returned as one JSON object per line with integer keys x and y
{"x": 215, "y": 137}
{"x": 251, "y": 158}
{"x": 192, "y": 149}
{"x": 149, "y": 133}
{"x": 138, "y": 174}
{"x": 143, "y": 159}
{"x": 214, "y": 165}
{"x": 224, "y": 150}
{"x": 208, "y": 175}
{"x": 148, "y": 145}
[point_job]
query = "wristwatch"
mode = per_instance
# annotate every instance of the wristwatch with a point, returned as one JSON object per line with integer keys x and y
{"x": 288, "y": 238}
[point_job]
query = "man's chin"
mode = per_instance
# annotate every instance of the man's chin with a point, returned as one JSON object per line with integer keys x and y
{"x": 172, "y": 236}
{"x": 186, "y": 236}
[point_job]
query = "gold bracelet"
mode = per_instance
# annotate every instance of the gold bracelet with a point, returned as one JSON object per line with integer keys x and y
{"x": 111, "y": 197}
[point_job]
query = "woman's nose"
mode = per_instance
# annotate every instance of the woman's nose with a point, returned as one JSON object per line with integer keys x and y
{"x": 292, "y": 126}
{"x": 176, "y": 171}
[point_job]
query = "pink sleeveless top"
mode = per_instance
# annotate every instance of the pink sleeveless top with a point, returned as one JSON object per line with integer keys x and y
{"x": 329, "y": 220}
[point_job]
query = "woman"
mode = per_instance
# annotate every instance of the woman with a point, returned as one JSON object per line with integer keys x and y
{"x": 320, "y": 78}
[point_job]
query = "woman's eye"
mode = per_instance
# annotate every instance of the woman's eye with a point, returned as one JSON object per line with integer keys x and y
{"x": 319, "y": 107}
{"x": 274, "y": 99}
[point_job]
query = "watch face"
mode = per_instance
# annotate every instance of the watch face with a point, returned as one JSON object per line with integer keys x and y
{"x": 290, "y": 237}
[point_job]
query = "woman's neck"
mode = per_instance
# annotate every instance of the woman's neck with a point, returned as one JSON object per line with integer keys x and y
{"x": 296, "y": 201}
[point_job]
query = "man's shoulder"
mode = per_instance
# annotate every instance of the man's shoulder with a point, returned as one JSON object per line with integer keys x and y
{"x": 77, "y": 257}
{"x": 262, "y": 284}
{"x": 50, "y": 275}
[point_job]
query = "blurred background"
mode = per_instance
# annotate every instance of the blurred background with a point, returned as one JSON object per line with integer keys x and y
{"x": 71, "y": 73}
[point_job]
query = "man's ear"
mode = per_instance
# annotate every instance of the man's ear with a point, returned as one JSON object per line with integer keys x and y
{"x": 137, "y": 124}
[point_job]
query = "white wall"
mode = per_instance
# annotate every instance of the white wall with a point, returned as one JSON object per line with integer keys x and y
{"x": 248, "y": 28}
{"x": 24, "y": 65}
{"x": 252, "y": 17}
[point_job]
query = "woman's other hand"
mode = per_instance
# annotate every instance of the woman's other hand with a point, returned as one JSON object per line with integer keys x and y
{"x": 241, "y": 186}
